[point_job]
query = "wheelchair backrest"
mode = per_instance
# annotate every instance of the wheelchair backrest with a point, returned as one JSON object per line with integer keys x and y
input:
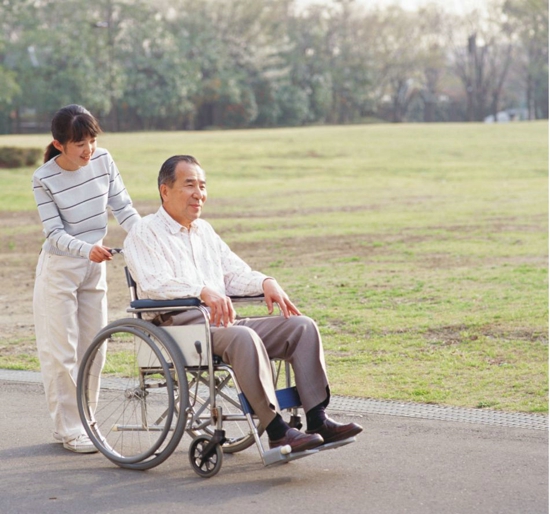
{"x": 132, "y": 286}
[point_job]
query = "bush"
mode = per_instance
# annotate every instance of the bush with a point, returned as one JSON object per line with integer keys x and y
{"x": 14, "y": 157}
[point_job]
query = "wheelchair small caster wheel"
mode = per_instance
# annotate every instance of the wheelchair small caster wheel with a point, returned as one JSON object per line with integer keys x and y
{"x": 295, "y": 421}
{"x": 206, "y": 462}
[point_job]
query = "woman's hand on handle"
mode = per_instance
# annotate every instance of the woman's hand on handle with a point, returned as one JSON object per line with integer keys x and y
{"x": 100, "y": 253}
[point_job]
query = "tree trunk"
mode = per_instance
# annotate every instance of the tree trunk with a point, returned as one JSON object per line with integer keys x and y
{"x": 429, "y": 111}
{"x": 494, "y": 105}
{"x": 529, "y": 99}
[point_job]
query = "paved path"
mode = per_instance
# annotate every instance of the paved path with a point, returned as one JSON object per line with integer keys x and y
{"x": 400, "y": 464}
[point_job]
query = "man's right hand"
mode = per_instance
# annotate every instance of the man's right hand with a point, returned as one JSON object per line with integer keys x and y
{"x": 221, "y": 307}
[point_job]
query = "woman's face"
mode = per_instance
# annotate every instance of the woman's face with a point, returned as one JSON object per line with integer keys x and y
{"x": 75, "y": 154}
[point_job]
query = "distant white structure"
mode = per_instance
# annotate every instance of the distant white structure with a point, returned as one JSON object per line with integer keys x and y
{"x": 508, "y": 115}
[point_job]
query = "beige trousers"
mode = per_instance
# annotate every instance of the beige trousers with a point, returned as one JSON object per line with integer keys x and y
{"x": 250, "y": 343}
{"x": 70, "y": 307}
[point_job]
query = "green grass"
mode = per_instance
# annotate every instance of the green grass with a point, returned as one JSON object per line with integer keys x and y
{"x": 421, "y": 250}
{"x": 20, "y": 361}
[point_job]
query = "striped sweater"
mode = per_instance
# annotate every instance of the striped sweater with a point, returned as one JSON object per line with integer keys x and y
{"x": 73, "y": 204}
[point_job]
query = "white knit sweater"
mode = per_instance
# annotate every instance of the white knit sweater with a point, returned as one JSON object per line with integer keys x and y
{"x": 73, "y": 204}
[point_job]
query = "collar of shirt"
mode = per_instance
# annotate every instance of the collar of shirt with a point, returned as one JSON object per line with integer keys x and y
{"x": 173, "y": 226}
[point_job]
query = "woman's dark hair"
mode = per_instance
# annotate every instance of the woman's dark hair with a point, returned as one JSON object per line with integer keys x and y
{"x": 167, "y": 173}
{"x": 71, "y": 123}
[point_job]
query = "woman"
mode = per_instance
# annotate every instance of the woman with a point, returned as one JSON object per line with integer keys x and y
{"x": 73, "y": 189}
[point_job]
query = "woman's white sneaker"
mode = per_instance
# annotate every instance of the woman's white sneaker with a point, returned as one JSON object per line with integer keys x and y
{"x": 80, "y": 444}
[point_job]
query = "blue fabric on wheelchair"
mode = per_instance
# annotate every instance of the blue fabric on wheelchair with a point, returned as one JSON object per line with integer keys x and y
{"x": 288, "y": 398}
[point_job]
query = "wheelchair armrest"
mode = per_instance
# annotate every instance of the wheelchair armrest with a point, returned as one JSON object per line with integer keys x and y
{"x": 243, "y": 299}
{"x": 185, "y": 302}
{"x": 165, "y": 304}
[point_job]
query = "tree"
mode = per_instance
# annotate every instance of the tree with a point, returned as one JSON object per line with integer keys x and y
{"x": 327, "y": 61}
{"x": 15, "y": 17}
{"x": 183, "y": 64}
{"x": 53, "y": 57}
{"x": 304, "y": 90}
{"x": 432, "y": 58}
{"x": 159, "y": 81}
{"x": 529, "y": 20}
{"x": 397, "y": 58}
{"x": 351, "y": 62}
{"x": 482, "y": 50}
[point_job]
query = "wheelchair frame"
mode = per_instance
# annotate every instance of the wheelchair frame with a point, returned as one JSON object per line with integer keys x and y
{"x": 138, "y": 417}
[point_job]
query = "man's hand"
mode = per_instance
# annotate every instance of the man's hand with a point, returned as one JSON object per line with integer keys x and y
{"x": 100, "y": 254}
{"x": 221, "y": 307}
{"x": 274, "y": 293}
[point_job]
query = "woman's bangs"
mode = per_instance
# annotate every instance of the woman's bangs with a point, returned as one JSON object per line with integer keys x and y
{"x": 84, "y": 126}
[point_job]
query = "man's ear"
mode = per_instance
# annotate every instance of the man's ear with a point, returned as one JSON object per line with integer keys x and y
{"x": 57, "y": 145}
{"x": 162, "y": 191}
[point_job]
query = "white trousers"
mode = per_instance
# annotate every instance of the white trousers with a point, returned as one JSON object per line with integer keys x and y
{"x": 70, "y": 307}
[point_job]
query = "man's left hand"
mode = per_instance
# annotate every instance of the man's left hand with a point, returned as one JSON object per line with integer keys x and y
{"x": 274, "y": 293}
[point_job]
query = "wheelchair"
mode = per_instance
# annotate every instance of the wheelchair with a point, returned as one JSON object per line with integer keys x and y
{"x": 140, "y": 387}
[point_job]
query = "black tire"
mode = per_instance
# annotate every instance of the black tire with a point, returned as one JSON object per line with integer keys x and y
{"x": 139, "y": 415}
{"x": 210, "y": 466}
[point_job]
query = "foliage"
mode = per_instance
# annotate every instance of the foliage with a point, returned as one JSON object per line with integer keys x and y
{"x": 187, "y": 64}
{"x": 529, "y": 20}
{"x": 483, "y": 64}
{"x": 8, "y": 84}
{"x": 16, "y": 157}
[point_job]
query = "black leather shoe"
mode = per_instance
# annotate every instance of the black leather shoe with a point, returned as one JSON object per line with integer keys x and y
{"x": 298, "y": 441}
{"x": 331, "y": 431}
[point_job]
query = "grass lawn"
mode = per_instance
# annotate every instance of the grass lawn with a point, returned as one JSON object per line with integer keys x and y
{"x": 421, "y": 250}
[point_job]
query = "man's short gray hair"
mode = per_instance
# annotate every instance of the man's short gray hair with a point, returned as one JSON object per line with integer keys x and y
{"x": 167, "y": 173}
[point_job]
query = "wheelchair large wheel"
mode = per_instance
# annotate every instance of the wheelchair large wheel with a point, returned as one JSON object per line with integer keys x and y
{"x": 238, "y": 433}
{"x": 131, "y": 396}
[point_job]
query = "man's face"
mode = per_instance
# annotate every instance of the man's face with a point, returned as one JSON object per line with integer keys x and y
{"x": 184, "y": 200}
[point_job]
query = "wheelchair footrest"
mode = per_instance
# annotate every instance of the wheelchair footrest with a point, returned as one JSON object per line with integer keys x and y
{"x": 275, "y": 456}
{"x": 337, "y": 444}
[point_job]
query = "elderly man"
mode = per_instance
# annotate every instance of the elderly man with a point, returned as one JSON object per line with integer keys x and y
{"x": 173, "y": 254}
